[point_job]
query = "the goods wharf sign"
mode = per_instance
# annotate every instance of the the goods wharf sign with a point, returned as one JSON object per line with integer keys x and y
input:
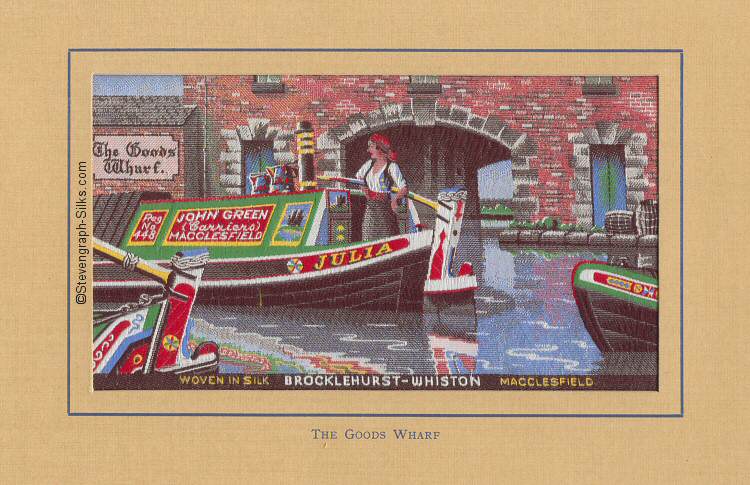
{"x": 135, "y": 157}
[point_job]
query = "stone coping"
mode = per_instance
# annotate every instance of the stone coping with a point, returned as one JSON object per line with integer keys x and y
{"x": 576, "y": 238}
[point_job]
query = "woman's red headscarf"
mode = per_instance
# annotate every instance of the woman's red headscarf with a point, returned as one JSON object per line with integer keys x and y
{"x": 384, "y": 144}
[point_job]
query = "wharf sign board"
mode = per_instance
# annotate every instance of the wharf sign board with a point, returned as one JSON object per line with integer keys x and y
{"x": 135, "y": 157}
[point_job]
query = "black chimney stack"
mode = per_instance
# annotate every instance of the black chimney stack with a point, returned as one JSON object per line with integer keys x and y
{"x": 305, "y": 155}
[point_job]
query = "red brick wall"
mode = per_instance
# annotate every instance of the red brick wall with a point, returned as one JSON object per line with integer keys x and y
{"x": 176, "y": 186}
{"x": 547, "y": 109}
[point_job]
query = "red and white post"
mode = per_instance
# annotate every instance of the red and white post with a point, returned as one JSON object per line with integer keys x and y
{"x": 441, "y": 279}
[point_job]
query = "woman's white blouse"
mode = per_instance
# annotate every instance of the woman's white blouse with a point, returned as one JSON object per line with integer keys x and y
{"x": 376, "y": 181}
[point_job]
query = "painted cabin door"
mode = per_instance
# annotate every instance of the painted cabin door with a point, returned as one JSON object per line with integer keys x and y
{"x": 257, "y": 158}
{"x": 609, "y": 191}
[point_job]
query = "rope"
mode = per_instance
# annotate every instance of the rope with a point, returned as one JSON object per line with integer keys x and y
{"x": 130, "y": 261}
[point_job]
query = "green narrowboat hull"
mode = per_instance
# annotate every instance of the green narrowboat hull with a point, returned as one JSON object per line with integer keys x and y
{"x": 286, "y": 249}
{"x": 618, "y": 306}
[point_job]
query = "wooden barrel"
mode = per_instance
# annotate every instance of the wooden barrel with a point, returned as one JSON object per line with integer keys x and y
{"x": 648, "y": 217}
{"x": 619, "y": 222}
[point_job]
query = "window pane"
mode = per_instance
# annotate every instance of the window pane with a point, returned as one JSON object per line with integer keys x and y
{"x": 268, "y": 78}
{"x": 267, "y": 83}
{"x": 424, "y": 85}
{"x": 599, "y": 86}
{"x": 424, "y": 79}
{"x": 599, "y": 80}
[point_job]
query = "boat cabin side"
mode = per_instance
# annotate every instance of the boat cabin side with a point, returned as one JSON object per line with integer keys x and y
{"x": 253, "y": 225}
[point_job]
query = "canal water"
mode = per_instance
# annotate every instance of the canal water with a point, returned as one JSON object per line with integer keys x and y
{"x": 525, "y": 321}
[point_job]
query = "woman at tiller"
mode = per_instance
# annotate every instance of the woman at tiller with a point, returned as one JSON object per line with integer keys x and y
{"x": 380, "y": 174}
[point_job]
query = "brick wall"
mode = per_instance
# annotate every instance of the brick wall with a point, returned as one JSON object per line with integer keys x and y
{"x": 546, "y": 121}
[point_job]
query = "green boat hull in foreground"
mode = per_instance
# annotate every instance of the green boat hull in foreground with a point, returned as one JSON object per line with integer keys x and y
{"x": 619, "y": 306}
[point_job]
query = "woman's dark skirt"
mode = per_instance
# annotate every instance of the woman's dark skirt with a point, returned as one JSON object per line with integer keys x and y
{"x": 379, "y": 221}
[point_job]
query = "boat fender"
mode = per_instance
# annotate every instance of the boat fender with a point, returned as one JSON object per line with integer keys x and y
{"x": 467, "y": 269}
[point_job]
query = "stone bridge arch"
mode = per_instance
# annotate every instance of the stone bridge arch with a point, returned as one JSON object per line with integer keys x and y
{"x": 488, "y": 137}
{"x": 419, "y": 112}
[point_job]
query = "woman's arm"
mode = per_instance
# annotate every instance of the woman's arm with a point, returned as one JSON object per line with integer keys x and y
{"x": 401, "y": 194}
{"x": 362, "y": 171}
{"x": 400, "y": 182}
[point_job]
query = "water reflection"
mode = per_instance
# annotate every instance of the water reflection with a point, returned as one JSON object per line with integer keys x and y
{"x": 541, "y": 333}
{"x": 525, "y": 322}
{"x": 316, "y": 341}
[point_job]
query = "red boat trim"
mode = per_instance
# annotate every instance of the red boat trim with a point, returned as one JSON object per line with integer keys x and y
{"x": 602, "y": 283}
{"x": 626, "y": 285}
{"x": 413, "y": 238}
{"x": 414, "y": 244}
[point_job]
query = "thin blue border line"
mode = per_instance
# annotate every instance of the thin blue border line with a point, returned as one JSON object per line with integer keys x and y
{"x": 682, "y": 269}
{"x": 68, "y": 218}
{"x": 682, "y": 235}
{"x": 369, "y": 415}
{"x": 354, "y": 49}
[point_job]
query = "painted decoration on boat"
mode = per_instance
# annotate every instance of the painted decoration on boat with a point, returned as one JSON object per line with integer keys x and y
{"x": 319, "y": 262}
{"x": 292, "y": 225}
{"x": 148, "y": 227}
{"x": 619, "y": 283}
{"x": 237, "y": 226}
{"x": 338, "y": 200}
{"x": 112, "y": 341}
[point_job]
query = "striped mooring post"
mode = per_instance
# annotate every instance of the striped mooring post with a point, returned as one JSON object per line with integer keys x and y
{"x": 306, "y": 155}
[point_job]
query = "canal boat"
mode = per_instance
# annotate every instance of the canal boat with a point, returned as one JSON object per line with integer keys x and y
{"x": 618, "y": 305}
{"x": 151, "y": 335}
{"x": 291, "y": 248}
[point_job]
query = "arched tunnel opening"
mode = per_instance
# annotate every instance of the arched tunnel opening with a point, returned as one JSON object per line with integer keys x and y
{"x": 436, "y": 157}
